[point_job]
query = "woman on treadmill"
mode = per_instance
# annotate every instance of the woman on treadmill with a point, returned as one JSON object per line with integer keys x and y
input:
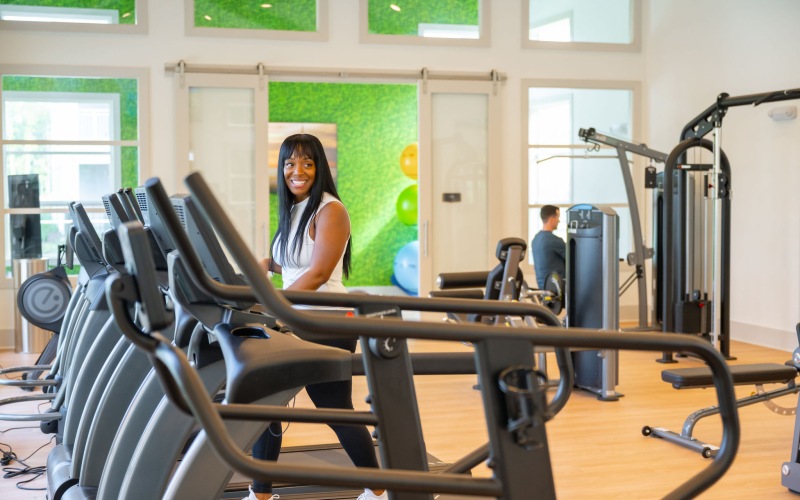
{"x": 311, "y": 250}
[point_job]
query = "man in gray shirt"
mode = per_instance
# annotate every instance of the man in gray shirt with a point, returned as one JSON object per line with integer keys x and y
{"x": 549, "y": 251}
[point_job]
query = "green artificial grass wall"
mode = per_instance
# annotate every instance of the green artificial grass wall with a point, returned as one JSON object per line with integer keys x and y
{"x": 126, "y": 88}
{"x": 122, "y": 6}
{"x": 383, "y": 20}
{"x": 286, "y": 15}
{"x": 374, "y": 124}
{"x": 294, "y": 15}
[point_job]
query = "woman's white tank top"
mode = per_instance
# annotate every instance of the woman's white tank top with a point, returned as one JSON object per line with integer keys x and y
{"x": 299, "y": 265}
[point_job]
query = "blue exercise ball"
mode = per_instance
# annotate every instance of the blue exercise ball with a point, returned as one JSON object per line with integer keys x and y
{"x": 406, "y": 267}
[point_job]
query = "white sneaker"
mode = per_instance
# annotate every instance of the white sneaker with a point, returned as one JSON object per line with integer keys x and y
{"x": 252, "y": 496}
{"x": 369, "y": 495}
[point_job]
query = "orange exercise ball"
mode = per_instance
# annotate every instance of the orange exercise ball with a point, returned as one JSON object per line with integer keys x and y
{"x": 409, "y": 160}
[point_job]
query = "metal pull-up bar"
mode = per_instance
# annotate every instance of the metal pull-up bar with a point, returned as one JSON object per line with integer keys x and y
{"x": 703, "y": 123}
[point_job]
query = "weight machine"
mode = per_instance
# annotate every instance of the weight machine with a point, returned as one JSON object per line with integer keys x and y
{"x": 640, "y": 251}
{"x": 680, "y": 305}
{"x": 703, "y": 311}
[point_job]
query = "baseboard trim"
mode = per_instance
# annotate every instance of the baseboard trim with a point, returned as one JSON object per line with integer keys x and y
{"x": 7, "y": 339}
{"x": 785, "y": 340}
{"x": 629, "y": 314}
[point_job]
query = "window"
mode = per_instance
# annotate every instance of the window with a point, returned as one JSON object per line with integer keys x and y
{"x": 561, "y": 170}
{"x": 64, "y": 139}
{"x": 122, "y": 16}
{"x": 556, "y": 30}
{"x": 282, "y": 19}
{"x": 581, "y": 24}
{"x": 446, "y": 22}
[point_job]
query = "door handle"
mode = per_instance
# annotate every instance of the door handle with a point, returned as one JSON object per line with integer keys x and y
{"x": 425, "y": 239}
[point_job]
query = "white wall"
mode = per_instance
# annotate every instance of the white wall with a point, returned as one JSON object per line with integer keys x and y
{"x": 694, "y": 51}
{"x": 166, "y": 43}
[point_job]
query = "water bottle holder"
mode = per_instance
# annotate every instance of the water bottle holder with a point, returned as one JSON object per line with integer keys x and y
{"x": 524, "y": 388}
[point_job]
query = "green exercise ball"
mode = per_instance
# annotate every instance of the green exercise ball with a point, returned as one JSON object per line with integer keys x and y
{"x": 407, "y": 205}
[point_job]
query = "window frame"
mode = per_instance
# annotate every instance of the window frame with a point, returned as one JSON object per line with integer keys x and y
{"x": 140, "y": 28}
{"x": 141, "y": 75}
{"x": 71, "y": 97}
{"x": 320, "y": 35}
{"x": 569, "y": 100}
{"x": 484, "y": 31}
{"x": 635, "y": 44}
{"x": 637, "y": 166}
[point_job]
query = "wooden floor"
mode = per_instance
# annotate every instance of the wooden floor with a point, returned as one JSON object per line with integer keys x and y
{"x": 597, "y": 448}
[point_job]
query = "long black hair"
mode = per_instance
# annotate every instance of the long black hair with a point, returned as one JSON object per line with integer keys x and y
{"x": 308, "y": 145}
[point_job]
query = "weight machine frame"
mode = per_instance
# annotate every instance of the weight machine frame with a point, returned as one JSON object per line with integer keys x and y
{"x": 640, "y": 251}
{"x": 718, "y": 190}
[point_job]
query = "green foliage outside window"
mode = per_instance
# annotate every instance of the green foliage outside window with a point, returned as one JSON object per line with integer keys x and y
{"x": 285, "y": 15}
{"x": 126, "y": 8}
{"x": 386, "y": 20}
{"x": 128, "y": 102}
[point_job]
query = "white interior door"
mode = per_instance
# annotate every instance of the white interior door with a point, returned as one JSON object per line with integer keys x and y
{"x": 222, "y": 133}
{"x": 457, "y": 196}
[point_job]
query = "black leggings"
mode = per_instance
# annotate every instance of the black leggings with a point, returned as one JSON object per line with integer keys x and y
{"x": 355, "y": 440}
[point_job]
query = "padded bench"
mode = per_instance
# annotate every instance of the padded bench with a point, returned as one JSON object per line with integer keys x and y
{"x": 695, "y": 378}
{"x": 756, "y": 374}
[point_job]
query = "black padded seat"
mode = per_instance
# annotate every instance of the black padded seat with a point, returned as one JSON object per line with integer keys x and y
{"x": 260, "y": 362}
{"x": 760, "y": 373}
{"x": 467, "y": 293}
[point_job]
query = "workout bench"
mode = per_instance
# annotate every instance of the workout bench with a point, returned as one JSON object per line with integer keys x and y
{"x": 754, "y": 374}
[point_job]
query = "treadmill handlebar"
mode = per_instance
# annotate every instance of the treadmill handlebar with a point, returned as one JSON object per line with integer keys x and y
{"x": 276, "y": 302}
{"x": 548, "y": 335}
{"x": 123, "y": 288}
{"x": 205, "y": 282}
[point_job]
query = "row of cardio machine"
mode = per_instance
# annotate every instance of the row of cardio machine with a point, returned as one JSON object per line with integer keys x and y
{"x": 160, "y": 325}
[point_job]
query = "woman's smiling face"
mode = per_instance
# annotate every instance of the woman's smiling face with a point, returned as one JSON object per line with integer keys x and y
{"x": 299, "y": 172}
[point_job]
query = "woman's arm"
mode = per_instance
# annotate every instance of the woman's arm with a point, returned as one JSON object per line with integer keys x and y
{"x": 270, "y": 266}
{"x": 330, "y": 230}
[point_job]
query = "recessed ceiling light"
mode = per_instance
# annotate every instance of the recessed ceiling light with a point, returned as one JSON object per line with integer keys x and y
{"x": 395, "y": 7}
{"x": 207, "y": 17}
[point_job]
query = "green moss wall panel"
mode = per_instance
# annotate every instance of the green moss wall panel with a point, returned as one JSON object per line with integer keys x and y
{"x": 383, "y": 20}
{"x": 374, "y": 124}
{"x": 286, "y": 15}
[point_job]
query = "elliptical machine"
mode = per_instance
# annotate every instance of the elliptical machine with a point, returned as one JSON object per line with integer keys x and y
{"x": 42, "y": 300}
